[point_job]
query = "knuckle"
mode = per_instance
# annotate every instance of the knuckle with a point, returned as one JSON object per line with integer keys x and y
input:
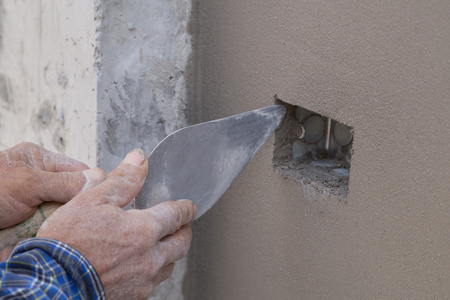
{"x": 140, "y": 224}
{"x": 179, "y": 211}
{"x": 170, "y": 211}
{"x": 190, "y": 209}
{"x": 27, "y": 145}
{"x": 68, "y": 178}
{"x": 145, "y": 225}
{"x": 31, "y": 176}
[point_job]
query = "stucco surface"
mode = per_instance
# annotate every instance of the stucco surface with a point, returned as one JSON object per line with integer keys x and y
{"x": 381, "y": 67}
{"x": 47, "y": 81}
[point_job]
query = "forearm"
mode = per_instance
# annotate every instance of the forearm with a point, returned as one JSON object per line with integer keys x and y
{"x": 48, "y": 269}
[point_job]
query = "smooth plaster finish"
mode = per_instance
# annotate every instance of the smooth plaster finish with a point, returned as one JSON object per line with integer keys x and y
{"x": 381, "y": 67}
{"x": 48, "y": 88}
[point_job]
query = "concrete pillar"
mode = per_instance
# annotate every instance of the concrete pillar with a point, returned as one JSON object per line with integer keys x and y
{"x": 141, "y": 60}
{"x": 93, "y": 80}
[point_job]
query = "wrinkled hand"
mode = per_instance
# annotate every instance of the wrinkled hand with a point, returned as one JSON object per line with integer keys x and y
{"x": 134, "y": 250}
{"x": 30, "y": 175}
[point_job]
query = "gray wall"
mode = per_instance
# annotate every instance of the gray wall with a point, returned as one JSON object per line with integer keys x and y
{"x": 141, "y": 58}
{"x": 48, "y": 85}
{"x": 94, "y": 79}
{"x": 110, "y": 76}
{"x": 142, "y": 55}
{"x": 381, "y": 67}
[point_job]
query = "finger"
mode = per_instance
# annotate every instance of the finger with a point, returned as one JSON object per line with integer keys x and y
{"x": 125, "y": 182}
{"x": 164, "y": 273}
{"x": 42, "y": 159}
{"x": 176, "y": 246}
{"x": 171, "y": 215}
{"x": 54, "y": 162}
{"x": 63, "y": 186}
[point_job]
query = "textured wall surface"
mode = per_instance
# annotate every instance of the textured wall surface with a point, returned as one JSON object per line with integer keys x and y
{"x": 142, "y": 54}
{"x": 383, "y": 68}
{"x": 48, "y": 87}
{"x": 93, "y": 80}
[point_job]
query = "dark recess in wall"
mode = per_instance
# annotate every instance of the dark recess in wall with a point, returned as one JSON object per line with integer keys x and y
{"x": 314, "y": 149}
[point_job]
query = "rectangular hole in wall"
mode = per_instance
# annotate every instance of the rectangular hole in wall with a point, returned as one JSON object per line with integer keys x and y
{"x": 314, "y": 149}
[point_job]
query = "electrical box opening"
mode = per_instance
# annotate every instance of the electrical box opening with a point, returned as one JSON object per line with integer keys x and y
{"x": 314, "y": 150}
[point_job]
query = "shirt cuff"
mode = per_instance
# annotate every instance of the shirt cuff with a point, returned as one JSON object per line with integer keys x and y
{"x": 73, "y": 262}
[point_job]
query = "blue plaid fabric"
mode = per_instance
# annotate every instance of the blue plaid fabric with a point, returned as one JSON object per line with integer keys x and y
{"x": 48, "y": 269}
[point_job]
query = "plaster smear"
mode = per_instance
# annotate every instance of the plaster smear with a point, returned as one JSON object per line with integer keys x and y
{"x": 141, "y": 56}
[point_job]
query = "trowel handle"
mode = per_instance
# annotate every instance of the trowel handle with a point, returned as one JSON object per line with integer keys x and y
{"x": 10, "y": 236}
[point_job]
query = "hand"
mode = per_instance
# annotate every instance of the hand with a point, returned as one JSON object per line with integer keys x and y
{"x": 30, "y": 175}
{"x": 134, "y": 250}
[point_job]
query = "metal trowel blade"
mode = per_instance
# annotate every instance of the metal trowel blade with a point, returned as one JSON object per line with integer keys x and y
{"x": 200, "y": 162}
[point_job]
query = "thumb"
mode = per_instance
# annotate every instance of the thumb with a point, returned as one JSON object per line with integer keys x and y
{"x": 63, "y": 186}
{"x": 123, "y": 183}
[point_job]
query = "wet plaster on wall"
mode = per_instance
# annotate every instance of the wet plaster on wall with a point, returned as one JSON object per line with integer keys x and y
{"x": 384, "y": 69}
{"x": 47, "y": 83}
{"x": 141, "y": 59}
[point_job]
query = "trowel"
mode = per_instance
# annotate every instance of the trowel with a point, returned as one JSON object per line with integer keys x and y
{"x": 197, "y": 162}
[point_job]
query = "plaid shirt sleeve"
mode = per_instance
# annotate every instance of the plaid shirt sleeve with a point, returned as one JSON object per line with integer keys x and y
{"x": 48, "y": 269}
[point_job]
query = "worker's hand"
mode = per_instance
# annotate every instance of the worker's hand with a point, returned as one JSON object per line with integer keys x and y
{"x": 132, "y": 251}
{"x": 30, "y": 175}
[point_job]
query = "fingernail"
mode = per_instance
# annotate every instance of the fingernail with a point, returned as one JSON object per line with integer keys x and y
{"x": 93, "y": 178}
{"x": 135, "y": 157}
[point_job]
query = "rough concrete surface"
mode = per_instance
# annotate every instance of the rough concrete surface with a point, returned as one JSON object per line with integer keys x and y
{"x": 94, "y": 80}
{"x": 381, "y": 67}
{"x": 143, "y": 51}
{"x": 47, "y": 84}
{"x": 141, "y": 60}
